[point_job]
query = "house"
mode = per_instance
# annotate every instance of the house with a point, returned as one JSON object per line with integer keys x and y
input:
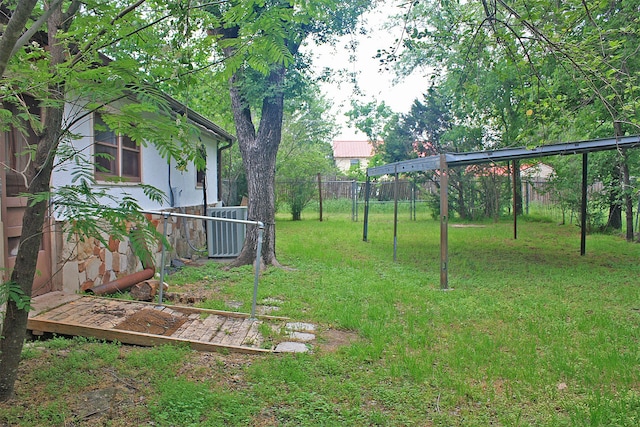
{"x": 70, "y": 263}
{"x": 352, "y": 153}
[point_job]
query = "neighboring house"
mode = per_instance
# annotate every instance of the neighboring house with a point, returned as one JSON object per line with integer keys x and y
{"x": 536, "y": 172}
{"x": 352, "y": 153}
{"x": 67, "y": 262}
{"x": 539, "y": 172}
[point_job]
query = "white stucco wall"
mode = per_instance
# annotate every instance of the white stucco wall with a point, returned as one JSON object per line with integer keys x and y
{"x": 155, "y": 171}
{"x": 344, "y": 164}
{"x": 85, "y": 263}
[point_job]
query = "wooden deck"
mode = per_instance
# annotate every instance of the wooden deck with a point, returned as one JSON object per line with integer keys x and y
{"x": 149, "y": 324}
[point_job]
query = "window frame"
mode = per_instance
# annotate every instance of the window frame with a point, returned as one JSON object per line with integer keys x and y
{"x": 201, "y": 175}
{"x": 123, "y": 147}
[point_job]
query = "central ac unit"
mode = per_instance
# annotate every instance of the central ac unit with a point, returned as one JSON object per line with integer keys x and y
{"x": 225, "y": 239}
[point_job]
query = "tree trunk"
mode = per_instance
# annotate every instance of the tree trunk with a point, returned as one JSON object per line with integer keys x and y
{"x": 259, "y": 160}
{"x": 459, "y": 187}
{"x": 14, "y": 325}
{"x": 518, "y": 184}
{"x": 13, "y": 30}
{"x": 628, "y": 200}
{"x": 615, "y": 207}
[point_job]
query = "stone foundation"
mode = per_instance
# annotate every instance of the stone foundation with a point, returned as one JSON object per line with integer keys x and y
{"x": 85, "y": 264}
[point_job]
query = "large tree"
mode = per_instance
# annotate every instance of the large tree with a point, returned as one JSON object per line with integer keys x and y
{"x": 38, "y": 175}
{"x": 537, "y": 71}
{"x": 261, "y": 42}
{"x": 67, "y": 62}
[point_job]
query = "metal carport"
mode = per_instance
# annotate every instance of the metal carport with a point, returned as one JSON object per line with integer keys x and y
{"x": 445, "y": 161}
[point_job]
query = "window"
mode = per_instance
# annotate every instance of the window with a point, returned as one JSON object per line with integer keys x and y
{"x": 116, "y": 155}
{"x": 354, "y": 162}
{"x": 201, "y": 172}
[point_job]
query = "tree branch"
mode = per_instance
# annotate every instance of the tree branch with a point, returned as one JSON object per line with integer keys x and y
{"x": 13, "y": 30}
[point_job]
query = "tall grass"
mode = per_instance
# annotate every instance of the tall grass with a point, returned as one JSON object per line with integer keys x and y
{"x": 533, "y": 334}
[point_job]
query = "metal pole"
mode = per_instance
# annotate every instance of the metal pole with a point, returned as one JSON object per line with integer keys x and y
{"x": 444, "y": 220}
{"x": 515, "y": 207}
{"x": 354, "y": 201}
{"x": 583, "y": 231}
{"x": 413, "y": 199}
{"x": 257, "y": 275}
{"x": 395, "y": 216}
{"x": 260, "y": 225}
{"x": 527, "y": 184}
{"x": 365, "y": 229}
{"x": 165, "y": 215}
{"x": 320, "y": 195}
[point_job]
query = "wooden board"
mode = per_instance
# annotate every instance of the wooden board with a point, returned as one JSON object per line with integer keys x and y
{"x": 108, "y": 319}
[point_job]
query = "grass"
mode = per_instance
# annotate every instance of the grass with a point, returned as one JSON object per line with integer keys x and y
{"x": 533, "y": 334}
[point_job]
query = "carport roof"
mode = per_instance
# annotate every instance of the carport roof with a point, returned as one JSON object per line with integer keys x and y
{"x": 504, "y": 154}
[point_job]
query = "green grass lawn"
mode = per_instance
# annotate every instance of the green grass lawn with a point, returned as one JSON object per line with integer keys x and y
{"x": 532, "y": 334}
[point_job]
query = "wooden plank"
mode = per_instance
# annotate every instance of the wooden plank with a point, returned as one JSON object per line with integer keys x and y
{"x": 208, "y": 327}
{"x": 214, "y": 324}
{"x": 61, "y": 310}
{"x": 107, "y": 322}
{"x": 135, "y": 338}
{"x": 72, "y": 309}
{"x": 223, "y": 313}
{"x": 183, "y": 327}
{"x": 169, "y": 310}
{"x": 200, "y": 330}
{"x": 187, "y": 310}
{"x": 227, "y": 335}
{"x": 242, "y": 331}
{"x": 50, "y": 301}
{"x": 95, "y": 314}
{"x": 193, "y": 323}
{"x": 97, "y": 317}
{"x": 254, "y": 337}
{"x": 90, "y": 316}
{"x": 115, "y": 312}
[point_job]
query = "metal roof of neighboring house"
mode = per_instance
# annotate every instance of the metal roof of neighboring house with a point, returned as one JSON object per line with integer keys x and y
{"x": 352, "y": 149}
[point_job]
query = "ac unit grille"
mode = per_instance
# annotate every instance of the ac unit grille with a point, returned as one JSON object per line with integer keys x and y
{"x": 225, "y": 239}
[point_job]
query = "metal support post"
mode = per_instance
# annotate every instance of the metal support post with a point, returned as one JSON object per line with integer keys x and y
{"x": 444, "y": 221}
{"x": 257, "y": 269}
{"x": 515, "y": 201}
{"x": 395, "y": 216}
{"x": 165, "y": 215}
{"x": 365, "y": 228}
{"x": 354, "y": 201}
{"x": 583, "y": 231}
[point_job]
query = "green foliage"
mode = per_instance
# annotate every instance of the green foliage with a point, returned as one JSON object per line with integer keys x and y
{"x": 305, "y": 151}
{"x": 10, "y": 291}
{"x": 371, "y": 118}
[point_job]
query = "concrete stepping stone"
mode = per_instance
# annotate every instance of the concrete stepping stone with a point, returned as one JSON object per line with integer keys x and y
{"x": 302, "y": 336}
{"x": 291, "y": 347}
{"x": 300, "y": 327}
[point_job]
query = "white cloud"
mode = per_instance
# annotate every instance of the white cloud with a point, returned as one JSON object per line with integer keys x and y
{"x": 375, "y": 82}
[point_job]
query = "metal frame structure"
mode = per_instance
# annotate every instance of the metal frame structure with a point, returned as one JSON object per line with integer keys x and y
{"x": 445, "y": 161}
{"x": 165, "y": 215}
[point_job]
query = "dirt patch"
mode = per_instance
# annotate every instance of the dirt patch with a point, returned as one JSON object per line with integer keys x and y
{"x": 151, "y": 321}
{"x": 331, "y": 340}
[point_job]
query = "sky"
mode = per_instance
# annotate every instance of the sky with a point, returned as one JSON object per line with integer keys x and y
{"x": 376, "y": 84}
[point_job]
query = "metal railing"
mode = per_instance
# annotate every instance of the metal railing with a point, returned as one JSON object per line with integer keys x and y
{"x": 259, "y": 224}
